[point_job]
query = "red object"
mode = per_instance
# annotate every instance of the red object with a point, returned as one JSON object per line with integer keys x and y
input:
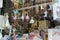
{"x": 32, "y": 36}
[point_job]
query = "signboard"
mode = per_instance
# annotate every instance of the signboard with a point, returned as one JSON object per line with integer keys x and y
{"x": 53, "y": 34}
{"x": 1, "y": 3}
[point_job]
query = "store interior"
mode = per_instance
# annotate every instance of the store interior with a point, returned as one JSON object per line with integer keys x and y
{"x": 26, "y": 16}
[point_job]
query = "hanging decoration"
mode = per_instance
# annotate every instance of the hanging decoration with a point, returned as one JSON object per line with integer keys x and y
{"x": 7, "y": 24}
{"x": 15, "y": 17}
{"x": 27, "y": 17}
{"x": 15, "y": 11}
{"x": 42, "y": 6}
{"x": 22, "y": 17}
{"x": 45, "y": 14}
{"x": 32, "y": 20}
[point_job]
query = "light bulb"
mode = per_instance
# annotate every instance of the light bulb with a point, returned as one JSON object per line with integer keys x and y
{"x": 32, "y": 20}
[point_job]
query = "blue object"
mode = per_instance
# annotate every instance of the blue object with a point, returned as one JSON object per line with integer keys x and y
{"x": 15, "y": 11}
{"x": 19, "y": 36}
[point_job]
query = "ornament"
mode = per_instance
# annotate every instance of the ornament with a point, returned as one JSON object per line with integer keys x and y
{"x": 15, "y": 11}
{"x": 27, "y": 17}
{"x": 22, "y": 17}
{"x": 32, "y": 20}
{"x": 45, "y": 14}
{"x": 42, "y": 6}
{"x": 7, "y": 24}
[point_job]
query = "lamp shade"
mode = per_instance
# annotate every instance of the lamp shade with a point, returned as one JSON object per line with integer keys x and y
{"x": 32, "y": 20}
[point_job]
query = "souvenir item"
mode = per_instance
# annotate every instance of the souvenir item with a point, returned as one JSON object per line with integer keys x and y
{"x": 22, "y": 17}
{"x": 15, "y": 11}
{"x": 27, "y": 17}
{"x": 45, "y": 14}
{"x": 42, "y": 7}
{"x": 32, "y": 20}
{"x": 7, "y": 24}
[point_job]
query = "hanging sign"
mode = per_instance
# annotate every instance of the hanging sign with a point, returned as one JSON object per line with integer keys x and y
{"x": 1, "y": 3}
{"x": 53, "y": 34}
